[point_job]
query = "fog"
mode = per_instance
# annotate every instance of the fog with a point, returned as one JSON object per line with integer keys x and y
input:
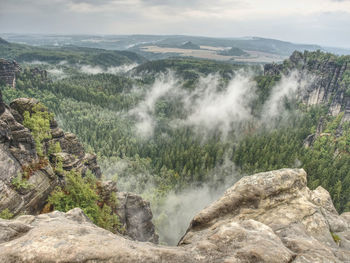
{"x": 211, "y": 106}
{"x": 211, "y": 109}
{"x": 88, "y": 69}
{"x": 173, "y": 216}
{"x": 165, "y": 84}
{"x": 57, "y": 73}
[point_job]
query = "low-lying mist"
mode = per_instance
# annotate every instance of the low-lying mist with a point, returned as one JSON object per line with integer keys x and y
{"x": 172, "y": 213}
{"x": 88, "y": 69}
{"x": 212, "y": 106}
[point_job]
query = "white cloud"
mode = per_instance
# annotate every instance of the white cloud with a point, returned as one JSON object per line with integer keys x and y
{"x": 212, "y": 109}
{"x": 88, "y": 69}
{"x": 144, "y": 112}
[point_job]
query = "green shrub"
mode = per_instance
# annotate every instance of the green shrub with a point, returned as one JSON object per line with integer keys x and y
{"x": 336, "y": 238}
{"x": 81, "y": 192}
{"x": 54, "y": 148}
{"x": 6, "y": 214}
{"x": 39, "y": 124}
{"x": 20, "y": 182}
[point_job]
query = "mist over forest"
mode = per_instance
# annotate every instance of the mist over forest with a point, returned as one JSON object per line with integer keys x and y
{"x": 175, "y": 131}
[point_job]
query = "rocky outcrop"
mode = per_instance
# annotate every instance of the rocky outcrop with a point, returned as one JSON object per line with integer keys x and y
{"x": 18, "y": 156}
{"x": 136, "y": 217}
{"x": 73, "y": 153}
{"x": 26, "y": 180}
{"x": 8, "y": 71}
{"x": 42, "y": 73}
{"x": 327, "y": 72}
{"x": 266, "y": 217}
{"x": 301, "y": 221}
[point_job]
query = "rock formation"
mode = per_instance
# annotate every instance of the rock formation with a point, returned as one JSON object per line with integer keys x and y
{"x": 8, "y": 71}
{"x": 327, "y": 87}
{"x": 18, "y": 155}
{"x": 136, "y": 217}
{"x": 329, "y": 83}
{"x": 42, "y": 73}
{"x": 266, "y": 217}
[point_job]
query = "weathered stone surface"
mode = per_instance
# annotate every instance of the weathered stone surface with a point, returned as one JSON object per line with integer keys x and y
{"x": 326, "y": 88}
{"x": 18, "y": 153}
{"x": 136, "y": 217}
{"x": 266, "y": 217}
{"x": 17, "y": 138}
{"x": 302, "y": 219}
{"x": 22, "y": 105}
{"x": 73, "y": 153}
{"x": 8, "y": 71}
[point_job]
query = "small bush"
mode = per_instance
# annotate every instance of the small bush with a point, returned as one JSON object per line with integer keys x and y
{"x": 81, "y": 192}
{"x": 39, "y": 124}
{"x": 6, "y": 214}
{"x": 20, "y": 182}
{"x": 336, "y": 238}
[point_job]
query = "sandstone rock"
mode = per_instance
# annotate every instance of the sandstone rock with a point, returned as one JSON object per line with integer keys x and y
{"x": 136, "y": 217}
{"x": 73, "y": 153}
{"x": 18, "y": 153}
{"x": 70, "y": 237}
{"x": 326, "y": 88}
{"x": 302, "y": 219}
{"x": 266, "y": 217}
{"x": 42, "y": 73}
{"x": 8, "y": 71}
{"x": 23, "y": 104}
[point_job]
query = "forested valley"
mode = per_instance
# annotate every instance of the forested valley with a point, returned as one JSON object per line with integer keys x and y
{"x": 163, "y": 127}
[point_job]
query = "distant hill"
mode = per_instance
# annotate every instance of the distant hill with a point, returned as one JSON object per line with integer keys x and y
{"x": 134, "y": 42}
{"x": 234, "y": 51}
{"x": 190, "y": 45}
{"x": 277, "y": 49}
{"x": 2, "y": 41}
{"x": 71, "y": 54}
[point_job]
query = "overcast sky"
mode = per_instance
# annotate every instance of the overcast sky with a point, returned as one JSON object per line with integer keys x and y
{"x": 325, "y": 22}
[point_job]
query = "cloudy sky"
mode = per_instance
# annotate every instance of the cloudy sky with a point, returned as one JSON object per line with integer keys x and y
{"x": 325, "y": 22}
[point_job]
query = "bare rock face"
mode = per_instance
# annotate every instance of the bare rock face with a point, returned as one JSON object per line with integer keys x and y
{"x": 18, "y": 155}
{"x": 136, "y": 217}
{"x": 327, "y": 87}
{"x": 73, "y": 152}
{"x": 303, "y": 220}
{"x": 8, "y": 71}
{"x": 266, "y": 217}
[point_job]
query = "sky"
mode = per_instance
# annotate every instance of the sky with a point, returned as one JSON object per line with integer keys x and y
{"x": 324, "y": 22}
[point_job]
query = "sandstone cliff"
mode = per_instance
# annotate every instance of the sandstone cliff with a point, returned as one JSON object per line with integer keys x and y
{"x": 328, "y": 86}
{"x": 266, "y": 217}
{"x": 8, "y": 71}
{"x": 18, "y": 155}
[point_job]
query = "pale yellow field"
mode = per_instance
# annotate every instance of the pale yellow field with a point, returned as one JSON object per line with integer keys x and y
{"x": 209, "y": 52}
